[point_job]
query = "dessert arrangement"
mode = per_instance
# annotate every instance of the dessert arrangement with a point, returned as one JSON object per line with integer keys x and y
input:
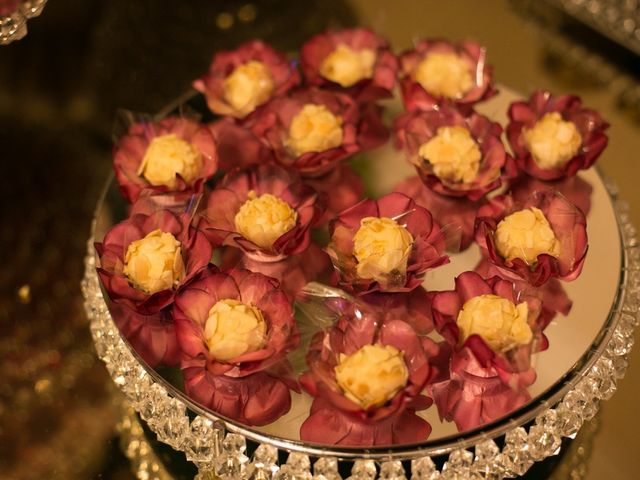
{"x": 255, "y": 268}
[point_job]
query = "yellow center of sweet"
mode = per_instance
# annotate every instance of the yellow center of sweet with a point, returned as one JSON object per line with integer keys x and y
{"x": 453, "y": 154}
{"x": 168, "y": 156}
{"x": 233, "y": 329}
{"x": 444, "y": 75}
{"x": 373, "y": 375}
{"x": 265, "y": 218}
{"x": 314, "y": 129}
{"x": 347, "y": 66}
{"x": 381, "y": 247}
{"x": 526, "y": 234}
{"x": 154, "y": 263}
{"x": 552, "y": 141}
{"x": 500, "y": 323}
{"x": 248, "y": 86}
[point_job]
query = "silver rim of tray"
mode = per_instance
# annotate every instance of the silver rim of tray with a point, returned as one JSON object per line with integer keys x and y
{"x": 531, "y": 434}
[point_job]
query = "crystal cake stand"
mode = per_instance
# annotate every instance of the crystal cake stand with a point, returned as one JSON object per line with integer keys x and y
{"x": 506, "y": 448}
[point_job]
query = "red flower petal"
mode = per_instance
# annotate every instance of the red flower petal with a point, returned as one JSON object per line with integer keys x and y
{"x": 293, "y": 272}
{"x": 413, "y": 307}
{"x": 237, "y": 146}
{"x": 456, "y": 216}
{"x": 153, "y": 336}
{"x": 258, "y": 399}
{"x": 342, "y": 188}
{"x": 329, "y": 426}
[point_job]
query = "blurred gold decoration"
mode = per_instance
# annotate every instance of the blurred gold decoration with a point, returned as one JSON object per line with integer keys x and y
{"x": 24, "y": 294}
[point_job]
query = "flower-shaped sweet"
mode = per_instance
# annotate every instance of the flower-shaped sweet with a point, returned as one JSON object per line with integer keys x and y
{"x": 265, "y": 210}
{"x": 241, "y": 80}
{"x": 553, "y": 137}
{"x": 145, "y": 259}
{"x": 492, "y": 333}
{"x": 455, "y": 155}
{"x": 437, "y": 72}
{"x": 172, "y": 155}
{"x": 367, "y": 377}
{"x": 487, "y": 317}
{"x": 542, "y": 238}
{"x": 385, "y": 244}
{"x": 312, "y": 130}
{"x": 234, "y": 330}
{"x": 237, "y": 146}
{"x": 354, "y": 60}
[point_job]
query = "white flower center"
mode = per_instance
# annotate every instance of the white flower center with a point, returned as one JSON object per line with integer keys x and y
{"x": 248, "y": 86}
{"x": 453, "y": 153}
{"x": 381, "y": 247}
{"x": 264, "y": 219}
{"x": 444, "y": 75}
{"x": 154, "y": 263}
{"x": 373, "y": 375}
{"x": 233, "y": 329}
{"x": 500, "y": 323}
{"x": 552, "y": 141}
{"x": 346, "y": 66}
{"x": 526, "y": 234}
{"x": 314, "y": 129}
{"x": 168, "y": 156}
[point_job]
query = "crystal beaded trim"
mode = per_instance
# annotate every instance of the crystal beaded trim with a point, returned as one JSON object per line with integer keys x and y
{"x": 14, "y": 26}
{"x": 144, "y": 462}
{"x": 221, "y": 454}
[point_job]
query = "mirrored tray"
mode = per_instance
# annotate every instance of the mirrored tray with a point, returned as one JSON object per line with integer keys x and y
{"x": 587, "y": 354}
